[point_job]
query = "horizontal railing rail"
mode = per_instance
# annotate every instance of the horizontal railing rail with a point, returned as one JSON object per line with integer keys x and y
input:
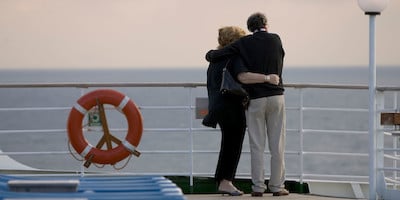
{"x": 179, "y": 84}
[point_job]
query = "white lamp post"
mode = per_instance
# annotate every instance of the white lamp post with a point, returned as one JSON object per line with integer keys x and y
{"x": 372, "y": 8}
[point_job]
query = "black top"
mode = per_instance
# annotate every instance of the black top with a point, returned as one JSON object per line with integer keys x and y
{"x": 261, "y": 52}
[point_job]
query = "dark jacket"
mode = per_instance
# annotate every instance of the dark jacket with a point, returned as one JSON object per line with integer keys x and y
{"x": 216, "y": 101}
{"x": 261, "y": 52}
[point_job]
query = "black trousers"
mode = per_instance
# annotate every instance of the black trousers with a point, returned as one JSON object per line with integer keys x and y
{"x": 232, "y": 121}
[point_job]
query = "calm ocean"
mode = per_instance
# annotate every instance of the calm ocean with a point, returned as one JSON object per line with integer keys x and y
{"x": 386, "y": 76}
{"x": 151, "y": 141}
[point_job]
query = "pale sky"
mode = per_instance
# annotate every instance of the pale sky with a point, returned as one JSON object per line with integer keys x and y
{"x": 76, "y": 34}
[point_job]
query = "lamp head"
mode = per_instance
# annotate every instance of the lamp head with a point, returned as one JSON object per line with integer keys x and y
{"x": 372, "y": 7}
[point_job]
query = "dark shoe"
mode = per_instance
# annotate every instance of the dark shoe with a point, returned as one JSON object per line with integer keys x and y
{"x": 283, "y": 192}
{"x": 256, "y": 194}
{"x": 233, "y": 193}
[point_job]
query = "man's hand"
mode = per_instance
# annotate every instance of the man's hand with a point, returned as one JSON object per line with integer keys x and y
{"x": 272, "y": 79}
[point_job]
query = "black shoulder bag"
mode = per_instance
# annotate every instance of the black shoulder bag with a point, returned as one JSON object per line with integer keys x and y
{"x": 230, "y": 86}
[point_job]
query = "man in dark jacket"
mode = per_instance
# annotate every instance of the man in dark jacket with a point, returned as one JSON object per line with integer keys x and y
{"x": 262, "y": 52}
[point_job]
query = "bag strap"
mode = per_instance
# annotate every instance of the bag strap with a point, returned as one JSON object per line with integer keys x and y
{"x": 226, "y": 65}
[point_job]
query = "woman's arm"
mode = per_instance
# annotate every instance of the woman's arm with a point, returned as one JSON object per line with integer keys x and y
{"x": 250, "y": 77}
{"x": 215, "y": 55}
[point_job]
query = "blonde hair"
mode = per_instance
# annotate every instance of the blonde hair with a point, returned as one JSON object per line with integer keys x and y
{"x": 229, "y": 34}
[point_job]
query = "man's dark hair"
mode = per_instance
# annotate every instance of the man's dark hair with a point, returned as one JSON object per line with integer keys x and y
{"x": 256, "y": 21}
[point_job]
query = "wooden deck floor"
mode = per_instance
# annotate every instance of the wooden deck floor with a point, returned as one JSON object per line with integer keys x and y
{"x": 292, "y": 196}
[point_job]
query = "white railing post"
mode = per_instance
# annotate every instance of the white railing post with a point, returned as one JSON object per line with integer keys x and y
{"x": 301, "y": 132}
{"x": 82, "y": 166}
{"x": 190, "y": 104}
{"x": 395, "y": 141}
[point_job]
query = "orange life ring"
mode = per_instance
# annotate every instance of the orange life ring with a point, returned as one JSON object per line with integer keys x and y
{"x": 122, "y": 103}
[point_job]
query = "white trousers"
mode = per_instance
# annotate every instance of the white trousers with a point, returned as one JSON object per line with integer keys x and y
{"x": 266, "y": 118}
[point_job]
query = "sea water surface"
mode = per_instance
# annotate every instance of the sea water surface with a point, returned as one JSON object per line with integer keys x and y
{"x": 386, "y": 75}
{"x": 177, "y": 141}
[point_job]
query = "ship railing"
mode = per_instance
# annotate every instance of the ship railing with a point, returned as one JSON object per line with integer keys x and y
{"x": 301, "y": 126}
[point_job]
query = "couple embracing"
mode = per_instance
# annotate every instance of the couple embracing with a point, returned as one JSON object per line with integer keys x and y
{"x": 255, "y": 60}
